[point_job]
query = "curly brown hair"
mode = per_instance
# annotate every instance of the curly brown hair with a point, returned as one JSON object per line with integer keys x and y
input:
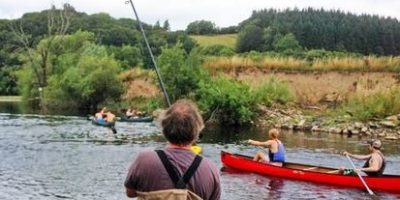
{"x": 182, "y": 123}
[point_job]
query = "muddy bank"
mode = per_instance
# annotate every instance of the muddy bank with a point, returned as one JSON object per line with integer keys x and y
{"x": 293, "y": 119}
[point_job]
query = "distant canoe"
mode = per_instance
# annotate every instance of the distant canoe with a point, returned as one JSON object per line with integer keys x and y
{"x": 102, "y": 123}
{"x": 137, "y": 119}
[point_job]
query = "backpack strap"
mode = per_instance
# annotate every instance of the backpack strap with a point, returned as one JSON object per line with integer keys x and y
{"x": 180, "y": 182}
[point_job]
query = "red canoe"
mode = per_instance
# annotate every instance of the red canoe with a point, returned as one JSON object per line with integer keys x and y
{"x": 317, "y": 174}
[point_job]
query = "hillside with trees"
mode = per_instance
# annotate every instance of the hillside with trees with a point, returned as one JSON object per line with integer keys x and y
{"x": 331, "y": 30}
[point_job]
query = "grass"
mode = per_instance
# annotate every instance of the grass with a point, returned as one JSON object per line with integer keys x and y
{"x": 10, "y": 98}
{"x": 345, "y": 64}
{"x": 228, "y": 40}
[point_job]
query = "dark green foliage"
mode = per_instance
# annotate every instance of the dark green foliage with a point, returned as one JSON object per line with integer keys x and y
{"x": 287, "y": 43}
{"x": 81, "y": 74}
{"x": 8, "y": 81}
{"x": 181, "y": 72}
{"x": 228, "y": 30}
{"x": 201, "y": 27}
{"x": 216, "y": 50}
{"x": 181, "y": 37}
{"x": 331, "y": 30}
{"x": 128, "y": 56}
{"x": 250, "y": 38}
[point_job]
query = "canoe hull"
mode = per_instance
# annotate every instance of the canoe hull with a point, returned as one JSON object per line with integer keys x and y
{"x": 140, "y": 119}
{"x": 389, "y": 183}
{"x": 105, "y": 124}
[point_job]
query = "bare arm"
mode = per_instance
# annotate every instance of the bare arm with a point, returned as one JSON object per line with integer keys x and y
{"x": 373, "y": 164}
{"x": 358, "y": 157}
{"x": 258, "y": 143}
{"x": 130, "y": 192}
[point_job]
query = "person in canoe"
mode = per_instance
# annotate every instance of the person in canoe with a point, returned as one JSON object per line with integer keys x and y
{"x": 109, "y": 117}
{"x": 101, "y": 115}
{"x": 276, "y": 153}
{"x": 131, "y": 113}
{"x": 375, "y": 161}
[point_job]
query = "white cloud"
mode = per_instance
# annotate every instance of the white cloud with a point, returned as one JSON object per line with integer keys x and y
{"x": 181, "y": 12}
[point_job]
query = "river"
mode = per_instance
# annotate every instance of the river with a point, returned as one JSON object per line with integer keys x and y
{"x": 64, "y": 157}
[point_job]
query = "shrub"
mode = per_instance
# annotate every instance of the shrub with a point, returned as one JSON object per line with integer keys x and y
{"x": 217, "y": 50}
{"x": 181, "y": 73}
{"x": 228, "y": 100}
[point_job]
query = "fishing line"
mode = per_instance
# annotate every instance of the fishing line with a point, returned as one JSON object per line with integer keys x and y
{"x": 151, "y": 54}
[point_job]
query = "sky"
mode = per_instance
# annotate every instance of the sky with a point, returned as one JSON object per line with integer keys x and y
{"x": 180, "y": 13}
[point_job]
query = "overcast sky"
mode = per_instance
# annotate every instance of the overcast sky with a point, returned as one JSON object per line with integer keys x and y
{"x": 181, "y": 12}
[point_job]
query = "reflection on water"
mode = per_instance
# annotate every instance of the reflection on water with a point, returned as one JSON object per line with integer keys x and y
{"x": 53, "y": 157}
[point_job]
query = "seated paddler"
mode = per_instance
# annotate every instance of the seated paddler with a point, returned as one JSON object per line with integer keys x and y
{"x": 276, "y": 150}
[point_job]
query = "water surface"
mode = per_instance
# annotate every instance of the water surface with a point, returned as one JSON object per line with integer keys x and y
{"x": 60, "y": 157}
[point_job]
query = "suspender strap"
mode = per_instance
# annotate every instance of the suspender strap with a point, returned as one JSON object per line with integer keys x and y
{"x": 180, "y": 182}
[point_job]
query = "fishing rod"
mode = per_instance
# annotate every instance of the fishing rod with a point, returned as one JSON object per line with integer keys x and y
{"x": 151, "y": 54}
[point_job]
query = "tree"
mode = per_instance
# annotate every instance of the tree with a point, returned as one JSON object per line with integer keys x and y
{"x": 250, "y": 38}
{"x": 128, "y": 56}
{"x": 41, "y": 59}
{"x": 287, "y": 42}
{"x": 181, "y": 73}
{"x": 201, "y": 27}
{"x": 166, "y": 25}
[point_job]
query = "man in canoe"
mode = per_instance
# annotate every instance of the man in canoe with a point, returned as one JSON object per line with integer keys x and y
{"x": 276, "y": 153}
{"x": 375, "y": 161}
{"x": 101, "y": 115}
{"x": 175, "y": 172}
{"x": 109, "y": 117}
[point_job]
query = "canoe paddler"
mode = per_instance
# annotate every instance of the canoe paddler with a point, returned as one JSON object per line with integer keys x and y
{"x": 375, "y": 161}
{"x": 276, "y": 150}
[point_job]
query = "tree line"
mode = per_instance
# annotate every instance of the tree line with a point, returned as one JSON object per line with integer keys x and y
{"x": 332, "y": 30}
{"x": 121, "y": 37}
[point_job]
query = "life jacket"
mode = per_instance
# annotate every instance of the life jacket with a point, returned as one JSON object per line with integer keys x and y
{"x": 181, "y": 192}
{"x": 380, "y": 171}
{"x": 278, "y": 156}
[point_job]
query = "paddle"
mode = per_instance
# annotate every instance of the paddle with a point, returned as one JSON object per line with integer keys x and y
{"x": 359, "y": 176}
{"x": 113, "y": 129}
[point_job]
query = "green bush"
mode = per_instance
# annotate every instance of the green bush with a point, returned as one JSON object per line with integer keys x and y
{"x": 228, "y": 100}
{"x": 181, "y": 73}
{"x": 217, "y": 50}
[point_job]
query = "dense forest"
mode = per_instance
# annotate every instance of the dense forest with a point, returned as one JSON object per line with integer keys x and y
{"x": 331, "y": 30}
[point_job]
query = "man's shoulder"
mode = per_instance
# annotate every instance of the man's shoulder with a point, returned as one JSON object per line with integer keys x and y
{"x": 148, "y": 155}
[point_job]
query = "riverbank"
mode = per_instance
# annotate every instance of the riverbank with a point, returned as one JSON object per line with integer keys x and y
{"x": 320, "y": 121}
{"x": 10, "y": 99}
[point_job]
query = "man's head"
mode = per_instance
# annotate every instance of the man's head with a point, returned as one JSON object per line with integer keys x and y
{"x": 182, "y": 123}
{"x": 375, "y": 144}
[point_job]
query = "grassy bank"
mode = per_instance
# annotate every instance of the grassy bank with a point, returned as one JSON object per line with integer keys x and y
{"x": 228, "y": 40}
{"x": 344, "y": 64}
{"x": 10, "y": 98}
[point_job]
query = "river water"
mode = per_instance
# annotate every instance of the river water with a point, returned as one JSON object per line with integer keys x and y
{"x": 60, "y": 157}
